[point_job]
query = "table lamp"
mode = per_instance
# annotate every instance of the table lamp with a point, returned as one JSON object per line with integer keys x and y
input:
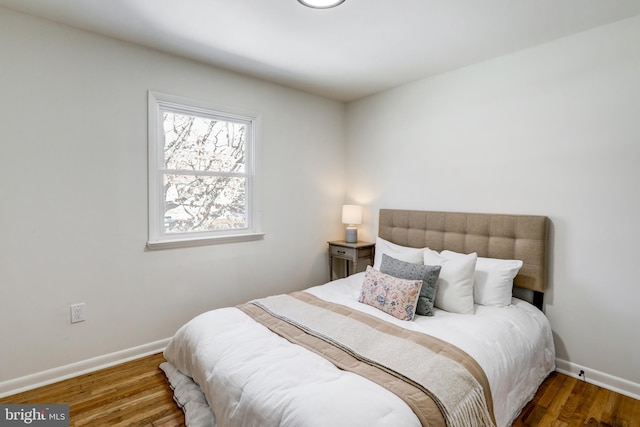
{"x": 352, "y": 216}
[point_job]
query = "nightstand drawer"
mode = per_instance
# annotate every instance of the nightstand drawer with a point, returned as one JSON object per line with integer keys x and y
{"x": 342, "y": 252}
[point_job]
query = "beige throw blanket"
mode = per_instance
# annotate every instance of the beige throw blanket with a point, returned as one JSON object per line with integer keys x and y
{"x": 443, "y": 385}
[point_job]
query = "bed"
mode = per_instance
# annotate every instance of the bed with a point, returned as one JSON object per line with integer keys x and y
{"x": 342, "y": 354}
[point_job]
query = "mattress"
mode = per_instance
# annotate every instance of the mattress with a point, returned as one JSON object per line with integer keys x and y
{"x": 228, "y": 370}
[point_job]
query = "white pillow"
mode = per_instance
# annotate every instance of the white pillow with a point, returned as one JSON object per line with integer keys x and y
{"x": 493, "y": 279}
{"x": 455, "y": 284}
{"x": 403, "y": 253}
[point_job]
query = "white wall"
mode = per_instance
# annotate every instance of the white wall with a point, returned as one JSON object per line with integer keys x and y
{"x": 553, "y": 130}
{"x": 73, "y": 185}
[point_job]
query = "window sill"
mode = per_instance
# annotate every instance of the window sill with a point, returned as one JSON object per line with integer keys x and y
{"x": 186, "y": 243}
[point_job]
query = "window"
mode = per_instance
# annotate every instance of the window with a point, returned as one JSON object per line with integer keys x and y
{"x": 202, "y": 180}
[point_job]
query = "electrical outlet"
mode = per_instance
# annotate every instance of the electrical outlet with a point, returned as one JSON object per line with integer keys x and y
{"x": 77, "y": 313}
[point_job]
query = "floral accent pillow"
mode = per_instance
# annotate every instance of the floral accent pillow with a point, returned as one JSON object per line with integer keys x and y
{"x": 394, "y": 296}
{"x": 406, "y": 270}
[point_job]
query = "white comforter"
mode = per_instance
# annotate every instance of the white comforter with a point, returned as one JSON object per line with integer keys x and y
{"x": 251, "y": 377}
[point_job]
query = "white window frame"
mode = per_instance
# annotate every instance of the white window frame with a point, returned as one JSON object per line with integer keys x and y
{"x": 158, "y": 103}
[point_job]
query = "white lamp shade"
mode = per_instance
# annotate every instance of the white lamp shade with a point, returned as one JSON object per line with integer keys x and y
{"x": 352, "y": 214}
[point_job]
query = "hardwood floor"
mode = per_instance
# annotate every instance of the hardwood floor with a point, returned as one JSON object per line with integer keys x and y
{"x": 137, "y": 394}
{"x": 132, "y": 394}
{"x": 564, "y": 401}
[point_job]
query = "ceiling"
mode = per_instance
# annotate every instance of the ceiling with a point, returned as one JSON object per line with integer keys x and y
{"x": 356, "y": 49}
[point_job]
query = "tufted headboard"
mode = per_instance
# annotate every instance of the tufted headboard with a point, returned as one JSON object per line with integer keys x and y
{"x": 522, "y": 237}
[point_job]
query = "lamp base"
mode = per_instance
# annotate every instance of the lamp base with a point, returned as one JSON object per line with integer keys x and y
{"x": 351, "y": 235}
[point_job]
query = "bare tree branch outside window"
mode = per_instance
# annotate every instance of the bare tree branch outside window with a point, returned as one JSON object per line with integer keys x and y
{"x": 205, "y": 186}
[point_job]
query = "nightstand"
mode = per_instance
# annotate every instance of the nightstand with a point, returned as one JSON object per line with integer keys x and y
{"x": 351, "y": 253}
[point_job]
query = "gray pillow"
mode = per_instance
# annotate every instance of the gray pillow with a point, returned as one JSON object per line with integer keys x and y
{"x": 427, "y": 273}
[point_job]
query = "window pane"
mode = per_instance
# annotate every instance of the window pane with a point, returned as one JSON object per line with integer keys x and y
{"x": 203, "y": 144}
{"x": 204, "y": 203}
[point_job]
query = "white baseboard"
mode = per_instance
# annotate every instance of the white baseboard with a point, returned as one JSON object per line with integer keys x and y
{"x": 39, "y": 379}
{"x": 601, "y": 379}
